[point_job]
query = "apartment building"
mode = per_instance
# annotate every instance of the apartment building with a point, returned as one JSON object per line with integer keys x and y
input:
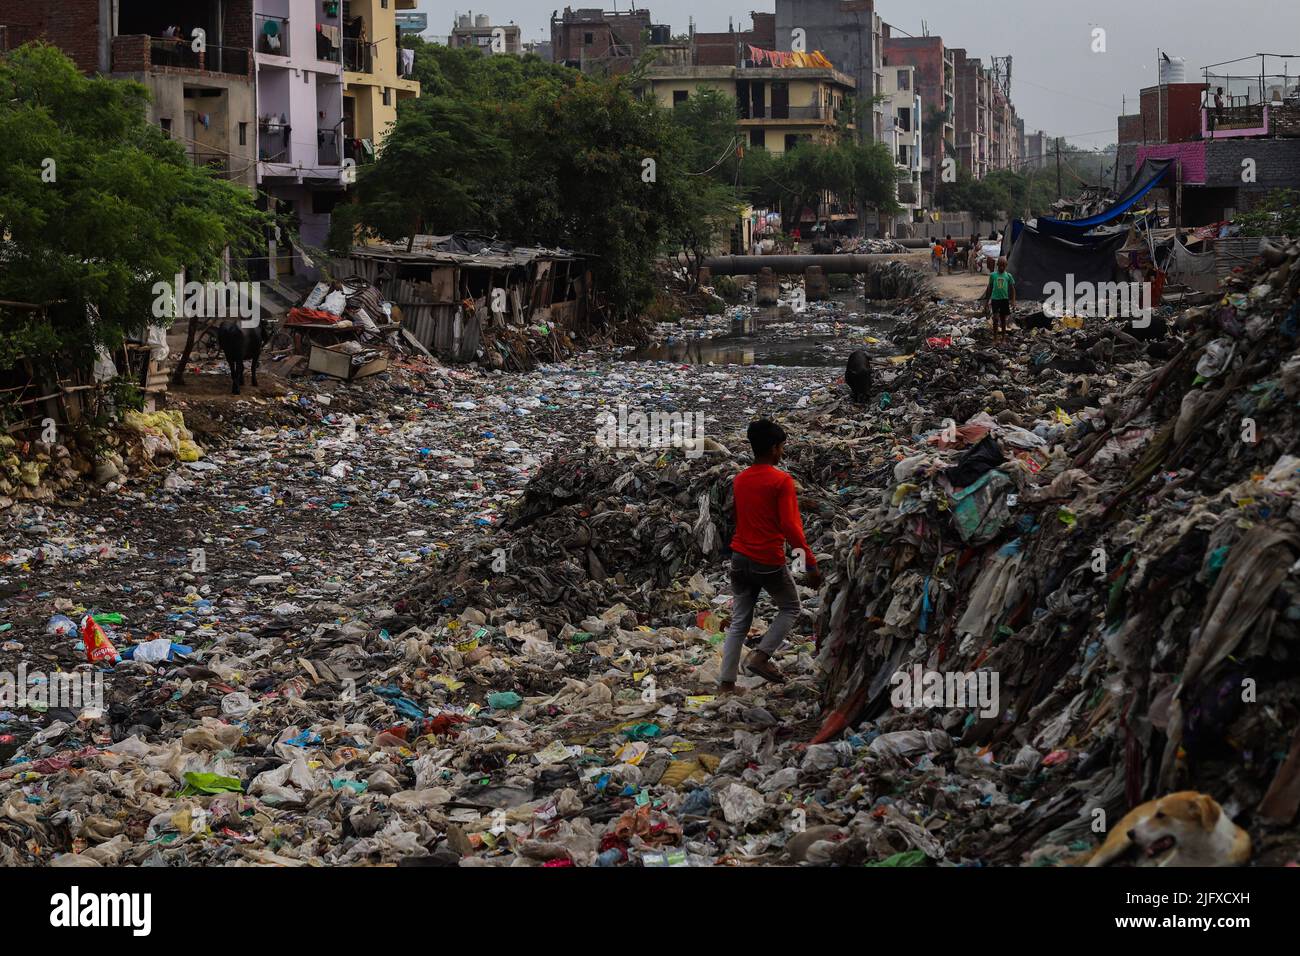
{"x": 777, "y": 107}
{"x": 850, "y": 33}
{"x": 298, "y": 49}
{"x": 903, "y": 135}
{"x": 479, "y": 32}
{"x": 377, "y": 74}
{"x": 936, "y": 82}
{"x": 277, "y": 95}
{"x": 200, "y": 81}
{"x": 974, "y": 115}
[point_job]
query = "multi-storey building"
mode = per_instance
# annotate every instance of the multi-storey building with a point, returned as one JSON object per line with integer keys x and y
{"x": 903, "y": 113}
{"x": 850, "y": 34}
{"x": 974, "y": 115}
{"x": 298, "y": 47}
{"x": 778, "y": 107}
{"x": 377, "y": 73}
{"x": 200, "y": 81}
{"x": 592, "y": 39}
{"x": 277, "y": 95}
{"x": 478, "y": 31}
{"x": 935, "y": 70}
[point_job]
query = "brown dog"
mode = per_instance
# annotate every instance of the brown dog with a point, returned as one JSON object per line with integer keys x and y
{"x": 1181, "y": 829}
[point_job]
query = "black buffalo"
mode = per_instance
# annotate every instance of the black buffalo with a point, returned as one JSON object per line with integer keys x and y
{"x": 242, "y": 345}
{"x": 858, "y": 376}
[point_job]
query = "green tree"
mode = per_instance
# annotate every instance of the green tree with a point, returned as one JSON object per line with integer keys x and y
{"x": 539, "y": 154}
{"x": 96, "y": 205}
{"x": 1278, "y": 214}
{"x": 703, "y": 178}
{"x": 435, "y": 174}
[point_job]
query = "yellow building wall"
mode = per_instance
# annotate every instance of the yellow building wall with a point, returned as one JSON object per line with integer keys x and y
{"x": 803, "y": 94}
{"x": 664, "y": 89}
{"x": 374, "y": 119}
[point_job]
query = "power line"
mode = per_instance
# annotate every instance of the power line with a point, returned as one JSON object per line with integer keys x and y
{"x": 731, "y": 148}
{"x": 1076, "y": 96}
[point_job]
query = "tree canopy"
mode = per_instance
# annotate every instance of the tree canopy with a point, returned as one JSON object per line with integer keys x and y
{"x": 541, "y": 154}
{"x": 97, "y": 204}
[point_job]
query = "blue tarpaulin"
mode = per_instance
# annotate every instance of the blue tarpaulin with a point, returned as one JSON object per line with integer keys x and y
{"x": 1147, "y": 178}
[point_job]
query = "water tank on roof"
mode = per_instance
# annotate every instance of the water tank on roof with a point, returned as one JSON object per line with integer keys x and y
{"x": 465, "y": 22}
{"x": 661, "y": 33}
{"x": 482, "y": 20}
{"x": 1173, "y": 70}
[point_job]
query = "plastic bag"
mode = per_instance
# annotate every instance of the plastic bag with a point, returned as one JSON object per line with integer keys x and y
{"x": 99, "y": 649}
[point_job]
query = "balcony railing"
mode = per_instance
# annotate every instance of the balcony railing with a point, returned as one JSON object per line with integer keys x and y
{"x": 328, "y": 146}
{"x": 358, "y": 56}
{"x": 218, "y": 163}
{"x": 272, "y": 34}
{"x": 134, "y": 53}
{"x": 273, "y": 142}
{"x": 790, "y": 113}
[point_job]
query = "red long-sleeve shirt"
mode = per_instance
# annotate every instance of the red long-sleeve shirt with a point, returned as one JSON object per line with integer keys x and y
{"x": 767, "y": 516}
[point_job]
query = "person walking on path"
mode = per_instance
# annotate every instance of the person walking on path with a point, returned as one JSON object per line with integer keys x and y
{"x": 1000, "y": 297}
{"x": 767, "y": 518}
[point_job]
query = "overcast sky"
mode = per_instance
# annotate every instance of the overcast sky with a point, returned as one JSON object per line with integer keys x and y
{"x": 1058, "y": 83}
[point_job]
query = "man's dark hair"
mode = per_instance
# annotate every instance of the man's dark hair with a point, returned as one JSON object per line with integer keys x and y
{"x": 764, "y": 435}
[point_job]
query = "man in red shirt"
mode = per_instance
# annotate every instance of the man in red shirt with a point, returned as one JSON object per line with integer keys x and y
{"x": 767, "y": 517}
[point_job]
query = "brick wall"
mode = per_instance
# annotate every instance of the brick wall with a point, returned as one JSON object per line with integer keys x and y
{"x": 1192, "y": 156}
{"x": 238, "y": 28}
{"x": 1285, "y": 121}
{"x": 764, "y": 31}
{"x": 1172, "y": 114}
{"x": 71, "y": 25}
{"x": 1277, "y": 163}
{"x": 720, "y": 49}
{"x": 131, "y": 54}
{"x": 624, "y": 29}
{"x": 1130, "y": 129}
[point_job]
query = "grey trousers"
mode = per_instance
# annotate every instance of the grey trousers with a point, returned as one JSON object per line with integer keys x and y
{"x": 748, "y": 580}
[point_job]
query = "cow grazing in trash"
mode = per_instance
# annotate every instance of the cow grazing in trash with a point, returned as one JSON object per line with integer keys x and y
{"x": 858, "y": 376}
{"x": 1039, "y": 320}
{"x": 1156, "y": 329}
{"x": 242, "y": 345}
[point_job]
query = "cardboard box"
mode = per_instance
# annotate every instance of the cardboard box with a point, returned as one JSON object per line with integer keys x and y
{"x": 338, "y": 364}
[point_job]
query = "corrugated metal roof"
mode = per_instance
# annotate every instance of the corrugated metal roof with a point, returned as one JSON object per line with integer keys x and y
{"x": 461, "y": 250}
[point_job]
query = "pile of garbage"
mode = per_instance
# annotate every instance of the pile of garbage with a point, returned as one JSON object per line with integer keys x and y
{"x": 140, "y": 443}
{"x": 447, "y": 628}
{"x": 894, "y": 280}
{"x": 1114, "y": 538}
{"x": 344, "y": 304}
{"x": 864, "y": 245}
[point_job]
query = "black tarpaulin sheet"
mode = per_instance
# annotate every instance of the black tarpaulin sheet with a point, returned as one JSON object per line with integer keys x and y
{"x": 1037, "y": 260}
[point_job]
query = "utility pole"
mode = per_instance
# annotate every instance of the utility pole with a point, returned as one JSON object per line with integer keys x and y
{"x": 1060, "y": 193}
{"x": 1178, "y": 215}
